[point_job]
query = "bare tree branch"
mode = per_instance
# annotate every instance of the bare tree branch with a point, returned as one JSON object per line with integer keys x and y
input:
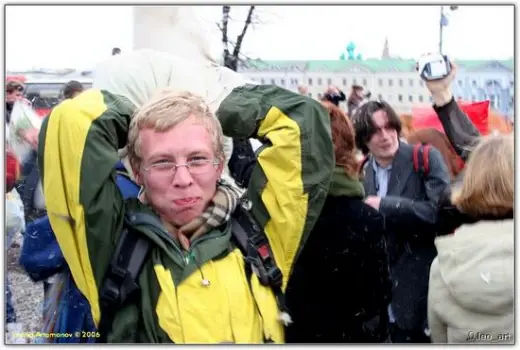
{"x": 240, "y": 38}
{"x": 234, "y": 58}
{"x": 225, "y": 19}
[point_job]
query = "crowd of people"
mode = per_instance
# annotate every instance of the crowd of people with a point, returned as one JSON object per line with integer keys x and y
{"x": 162, "y": 224}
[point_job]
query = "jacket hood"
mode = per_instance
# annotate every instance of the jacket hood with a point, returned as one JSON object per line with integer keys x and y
{"x": 477, "y": 266}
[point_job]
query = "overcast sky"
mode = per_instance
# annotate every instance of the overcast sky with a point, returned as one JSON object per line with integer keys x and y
{"x": 79, "y": 36}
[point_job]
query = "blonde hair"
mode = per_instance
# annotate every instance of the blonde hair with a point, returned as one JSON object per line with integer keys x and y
{"x": 167, "y": 109}
{"x": 489, "y": 179}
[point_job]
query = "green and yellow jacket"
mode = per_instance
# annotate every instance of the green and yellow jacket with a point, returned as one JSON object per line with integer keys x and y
{"x": 77, "y": 153}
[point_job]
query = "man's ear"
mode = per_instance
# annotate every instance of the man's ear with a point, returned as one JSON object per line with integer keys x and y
{"x": 133, "y": 170}
{"x": 222, "y": 164}
{"x": 138, "y": 176}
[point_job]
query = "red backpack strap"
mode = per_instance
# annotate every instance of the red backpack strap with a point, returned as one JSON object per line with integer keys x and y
{"x": 424, "y": 151}
{"x": 426, "y": 159}
{"x": 415, "y": 157}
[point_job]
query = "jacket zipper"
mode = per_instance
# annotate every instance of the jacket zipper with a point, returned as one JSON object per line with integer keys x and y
{"x": 199, "y": 240}
{"x": 169, "y": 238}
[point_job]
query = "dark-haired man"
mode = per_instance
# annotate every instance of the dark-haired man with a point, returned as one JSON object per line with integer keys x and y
{"x": 72, "y": 89}
{"x": 399, "y": 193}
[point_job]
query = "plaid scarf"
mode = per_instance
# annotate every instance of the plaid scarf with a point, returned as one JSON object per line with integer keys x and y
{"x": 218, "y": 212}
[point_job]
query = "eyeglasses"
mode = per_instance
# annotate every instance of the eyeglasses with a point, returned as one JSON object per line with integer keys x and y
{"x": 164, "y": 169}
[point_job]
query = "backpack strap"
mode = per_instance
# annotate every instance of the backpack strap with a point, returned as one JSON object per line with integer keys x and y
{"x": 127, "y": 187}
{"x": 120, "y": 285}
{"x": 423, "y": 151}
{"x": 253, "y": 243}
{"x": 123, "y": 173}
{"x": 415, "y": 157}
{"x": 426, "y": 159}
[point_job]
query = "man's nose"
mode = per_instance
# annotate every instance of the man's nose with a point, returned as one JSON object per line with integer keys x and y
{"x": 385, "y": 133}
{"x": 182, "y": 177}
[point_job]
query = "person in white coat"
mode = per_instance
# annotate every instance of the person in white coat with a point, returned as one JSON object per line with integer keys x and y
{"x": 471, "y": 290}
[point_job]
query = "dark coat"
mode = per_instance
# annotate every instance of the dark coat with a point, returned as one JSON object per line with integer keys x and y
{"x": 462, "y": 135}
{"x": 339, "y": 289}
{"x": 411, "y": 197}
{"x": 459, "y": 129}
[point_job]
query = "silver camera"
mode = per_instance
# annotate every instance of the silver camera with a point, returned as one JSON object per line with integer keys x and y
{"x": 433, "y": 66}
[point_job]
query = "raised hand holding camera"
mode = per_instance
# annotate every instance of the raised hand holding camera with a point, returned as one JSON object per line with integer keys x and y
{"x": 433, "y": 67}
{"x": 438, "y": 73}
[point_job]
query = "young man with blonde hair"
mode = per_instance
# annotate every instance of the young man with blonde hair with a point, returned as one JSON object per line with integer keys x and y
{"x": 194, "y": 286}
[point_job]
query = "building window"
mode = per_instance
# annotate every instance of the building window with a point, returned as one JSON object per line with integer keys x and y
{"x": 460, "y": 82}
{"x": 319, "y": 96}
{"x": 410, "y": 98}
{"x": 262, "y": 81}
{"x": 282, "y": 82}
{"x": 296, "y": 81}
{"x": 310, "y": 94}
{"x": 344, "y": 82}
{"x": 320, "y": 81}
{"x": 410, "y": 82}
{"x": 389, "y": 97}
{"x": 421, "y": 98}
{"x": 380, "y": 82}
{"x": 401, "y": 82}
{"x": 390, "y": 82}
{"x": 273, "y": 82}
{"x": 431, "y": 99}
{"x": 310, "y": 81}
{"x": 421, "y": 83}
{"x": 474, "y": 83}
{"x": 494, "y": 101}
{"x": 364, "y": 82}
{"x": 400, "y": 98}
{"x": 354, "y": 82}
{"x": 473, "y": 98}
{"x": 329, "y": 81}
{"x": 380, "y": 97}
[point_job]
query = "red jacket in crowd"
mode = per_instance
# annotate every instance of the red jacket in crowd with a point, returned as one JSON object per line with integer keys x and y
{"x": 12, "y": 167}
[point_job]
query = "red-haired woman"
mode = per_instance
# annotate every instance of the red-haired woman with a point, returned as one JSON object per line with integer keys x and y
{"x": 339, "y": 289}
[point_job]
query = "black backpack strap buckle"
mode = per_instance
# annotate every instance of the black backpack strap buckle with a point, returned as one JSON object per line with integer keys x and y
{"x": 110, "y": 293}
{"x": 275, "y": 276}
